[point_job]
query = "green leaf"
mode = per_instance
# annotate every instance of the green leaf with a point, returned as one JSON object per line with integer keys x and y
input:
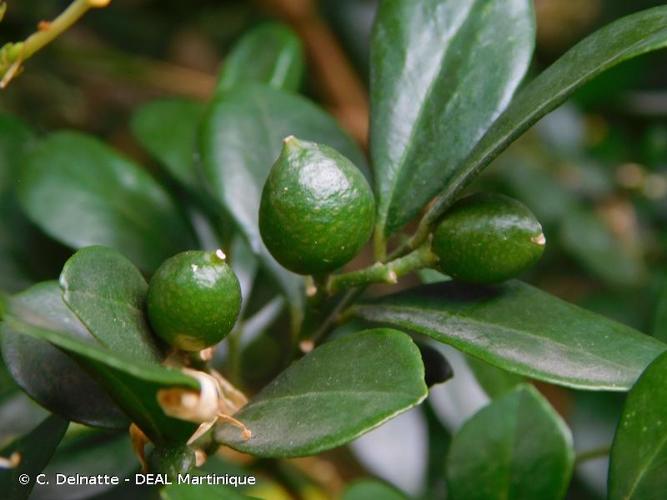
{"x": 15, "y": 138}
{"x": 624, "y": 39}
{"x": 271, "y": 54}
{"x": 50, "y": 376}
{"x": 108, "y": 293}
{"x": 241, "y": 139}
{"x": 132, "y": 384}
{"x": 441, "y": 72}
{"x": 585, "y": 236}
{"x": 35, "y": 450}
{"x": 82, "y": 193}
{"x": 660, "y": 318}
{"x": 366, "y": 489}
{"x": 494, "y": 381}
{"x": 341, "y": 390}
{"x": 638, "y": 466}
{"x": 167, "y": 129}
{"x": 517, "y": 447}
{"x": 200, "y": 492}
{"x": 522, "y": 330}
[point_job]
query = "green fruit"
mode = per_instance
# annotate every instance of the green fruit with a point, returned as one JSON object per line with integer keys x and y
{"x": 317, "y": 209}
{"x": 193, "y": 300}
{"x": 172, "y": 461}
{"x": 487, "y": 238}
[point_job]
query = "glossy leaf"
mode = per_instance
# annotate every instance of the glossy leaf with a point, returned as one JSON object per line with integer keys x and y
{"x": 624, "y": 39}
{"x": 638, "y": 467}
{"x": 523, "y": 330}
{"x": 441, "y": 72}
{"x": 242, "y": 137}
{"x": 366, "y": 489}
{"x": 271, "y": 54}
{"x": 50, "y": 376}
{"x": 35, "y": 450}
{"x": 518, "y": 447}
{"x": 108, "y": 293}
{"x": 15, "y": 138}
{"x": 494, "y": 381}
{"x": 132, "y": 384}
{"x": 167, "y": 129}
{"x": 82, "y": 193}
{"x": 341, "y": 390}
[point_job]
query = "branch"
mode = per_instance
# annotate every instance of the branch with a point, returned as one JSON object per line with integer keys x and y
{"x": 384, "y": 273}
{"x": 14, "y": 54}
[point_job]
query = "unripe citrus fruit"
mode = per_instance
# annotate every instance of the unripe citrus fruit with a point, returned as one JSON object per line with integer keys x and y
{"x": 487, "y": 238}
{"x": 317, "y": 209}
{"x": 171, "y": 461}
{"x": 193, "y": 300}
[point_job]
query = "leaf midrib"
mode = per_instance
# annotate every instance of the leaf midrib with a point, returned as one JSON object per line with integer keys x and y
{"x": 490, "y": 152}
{"x": 500, "y": 327}
{"x": 394, "y": 184}
{"x": 642, "y": 473}
{"x": 316, "y": 394}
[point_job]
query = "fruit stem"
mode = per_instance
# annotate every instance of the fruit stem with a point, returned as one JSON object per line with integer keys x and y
{"x": 379, "y": 245}
{"x": 12, "y": 55}
{"x": 384, "y": 273}
{"x": 333, "y": 318}
{"x": 593, "y": 454}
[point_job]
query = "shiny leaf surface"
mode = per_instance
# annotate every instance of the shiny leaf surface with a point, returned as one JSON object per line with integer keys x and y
{"x": 132, "y": 384}
{"x": 271, "y": 53}
{"x": 638, "y": 467}
{"x": 341, "y": 390}
{"x": 518, "y": 447}
{"x": 523, "y": 330}
{"x": 82, "y": 193}
{"x": 441, "y": 72}
{"x": 107, "y": 292}
{"x": 50, "y": 376}
{"x": 629, "y": 37}
{"x": 167, "y": 129}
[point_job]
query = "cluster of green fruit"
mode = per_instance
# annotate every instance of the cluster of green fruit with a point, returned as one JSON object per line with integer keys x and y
{"x": 317, "y": 211}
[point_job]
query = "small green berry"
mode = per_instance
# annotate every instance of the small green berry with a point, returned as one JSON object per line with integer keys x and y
{"x": 487, "y": 238}
{"x": 172, "y": 461}
{"x": 193, "y": 300}
{"x": 317, "y": 209}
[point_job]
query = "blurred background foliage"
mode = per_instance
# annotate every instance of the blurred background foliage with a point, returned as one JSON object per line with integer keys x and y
{"x": 594, "y": 172}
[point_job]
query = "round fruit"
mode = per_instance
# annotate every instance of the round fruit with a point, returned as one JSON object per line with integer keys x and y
{"x": 487, "y": 238}
{"x": 193, "y": 300}
{"x": 172, "y": 461}
{"x": 317, "y": 209}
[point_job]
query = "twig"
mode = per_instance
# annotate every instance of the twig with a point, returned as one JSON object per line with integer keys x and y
{"x": 384, "y": 272}
{"x": 14, "y": 54}
{"x": 593, "y": 454}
